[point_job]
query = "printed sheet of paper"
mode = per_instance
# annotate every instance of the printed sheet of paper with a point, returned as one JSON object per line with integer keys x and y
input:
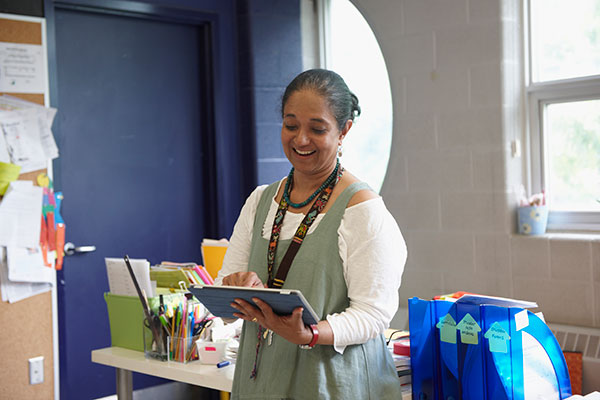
{"x": 45, "y": 119}
{"x": 27, "y": 142}
{"x": 27, "y": 265}
{"x": 16, "y": 291}
{"x": 119, "y": 279}
{"x": 21, "y": 215}
{"x": 22, "y": 67}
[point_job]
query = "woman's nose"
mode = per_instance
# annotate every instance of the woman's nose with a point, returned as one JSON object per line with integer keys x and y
{"x": 302, "y": 137}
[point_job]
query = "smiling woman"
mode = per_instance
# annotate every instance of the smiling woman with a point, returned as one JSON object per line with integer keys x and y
{"x": 324, "y": 232}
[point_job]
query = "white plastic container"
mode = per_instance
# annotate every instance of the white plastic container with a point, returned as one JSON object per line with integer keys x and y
{"x": 211, "y": 352}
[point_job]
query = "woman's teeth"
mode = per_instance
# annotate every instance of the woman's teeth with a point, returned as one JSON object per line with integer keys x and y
{"x": 304, "y": 153}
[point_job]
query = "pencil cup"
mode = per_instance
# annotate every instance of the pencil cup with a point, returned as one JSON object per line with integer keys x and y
{"x": 155, "y": 343}
{"x": 532, "y": 220}
{"x": 182, "y": 349}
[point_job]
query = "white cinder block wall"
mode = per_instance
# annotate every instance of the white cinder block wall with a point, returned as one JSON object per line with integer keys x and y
{"x": 455, "y": 68}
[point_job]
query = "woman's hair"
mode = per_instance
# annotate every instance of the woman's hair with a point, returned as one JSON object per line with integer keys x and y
{"x": 342, "y": 102}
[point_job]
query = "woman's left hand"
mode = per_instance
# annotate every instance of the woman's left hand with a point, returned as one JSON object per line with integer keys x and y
{"x": 290, "y": 327}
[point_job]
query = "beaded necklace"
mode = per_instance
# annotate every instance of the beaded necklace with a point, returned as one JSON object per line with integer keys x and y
{"x": 290, "y": 183}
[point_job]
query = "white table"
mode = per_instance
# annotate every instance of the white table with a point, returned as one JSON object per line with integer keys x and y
{"x": 127, "y": 361}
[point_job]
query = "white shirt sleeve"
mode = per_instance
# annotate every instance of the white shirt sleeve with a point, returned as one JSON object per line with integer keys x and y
{"x": 374, "y": 253}
{"x": 238, "y": 251}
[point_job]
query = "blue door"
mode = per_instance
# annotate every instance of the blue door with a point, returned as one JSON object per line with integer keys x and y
{"x": 135, "y": 139}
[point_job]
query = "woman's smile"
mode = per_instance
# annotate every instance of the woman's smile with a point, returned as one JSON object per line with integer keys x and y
{"x": 304, "y": 153}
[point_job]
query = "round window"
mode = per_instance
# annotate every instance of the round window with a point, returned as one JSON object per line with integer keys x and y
{"x": 355, "y": 54}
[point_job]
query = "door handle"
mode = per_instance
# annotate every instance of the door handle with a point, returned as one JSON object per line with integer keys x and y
{"x": 71, "y": 249}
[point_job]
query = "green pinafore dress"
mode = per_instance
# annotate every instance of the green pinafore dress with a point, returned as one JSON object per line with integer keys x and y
{"x": 364, "y": 371}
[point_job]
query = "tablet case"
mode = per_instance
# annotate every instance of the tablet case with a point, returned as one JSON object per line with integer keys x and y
{"x": 283, "y": 301}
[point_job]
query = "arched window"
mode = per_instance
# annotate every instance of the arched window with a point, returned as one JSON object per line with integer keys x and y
{"x": 351, "y": 50}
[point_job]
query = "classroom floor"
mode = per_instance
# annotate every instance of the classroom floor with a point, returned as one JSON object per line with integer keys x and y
{"x": 171, "y": 391}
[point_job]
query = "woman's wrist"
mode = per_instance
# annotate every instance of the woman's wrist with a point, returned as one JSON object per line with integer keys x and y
{"x": 314, "y": 337}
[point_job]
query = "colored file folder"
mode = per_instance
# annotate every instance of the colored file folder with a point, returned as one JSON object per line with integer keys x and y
{"x": 472, "y": 350}
{"x": 213, "y": 252}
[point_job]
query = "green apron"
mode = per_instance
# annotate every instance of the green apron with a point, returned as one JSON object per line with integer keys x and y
{"x": 364, "y": 371}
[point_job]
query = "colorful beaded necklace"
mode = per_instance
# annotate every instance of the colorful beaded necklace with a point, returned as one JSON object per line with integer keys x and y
{"x": 290, "y": 182}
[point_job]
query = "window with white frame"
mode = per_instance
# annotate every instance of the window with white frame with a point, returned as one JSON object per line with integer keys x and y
{"x": 348, "y": 46}
{"x": 564, "y": 109}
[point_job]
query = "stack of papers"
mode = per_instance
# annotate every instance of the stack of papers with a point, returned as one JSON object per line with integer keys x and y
{"x": 119, "y": 279}
{"x": 401, "y": 361}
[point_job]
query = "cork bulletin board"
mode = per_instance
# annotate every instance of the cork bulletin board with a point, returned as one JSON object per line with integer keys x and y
{"x": 27, "y": 324}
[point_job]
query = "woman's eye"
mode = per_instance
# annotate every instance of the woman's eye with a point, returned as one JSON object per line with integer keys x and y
{"x": 319, "y": 131}
{"x": 291, "y": 127}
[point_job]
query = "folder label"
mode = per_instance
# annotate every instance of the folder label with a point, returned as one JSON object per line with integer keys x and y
{"x": 447, "y": 327}
{"x": 469, "y": 330}
{"x": 497, "y": 338}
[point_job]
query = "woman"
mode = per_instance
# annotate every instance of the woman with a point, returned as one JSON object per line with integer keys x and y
{"x": 340, "y": 247}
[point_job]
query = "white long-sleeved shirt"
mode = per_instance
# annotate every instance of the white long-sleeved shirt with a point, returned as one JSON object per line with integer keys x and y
{"x": 373, "y": 253}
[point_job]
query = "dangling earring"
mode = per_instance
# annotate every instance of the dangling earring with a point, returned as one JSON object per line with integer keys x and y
{"x": 340, "y": 148}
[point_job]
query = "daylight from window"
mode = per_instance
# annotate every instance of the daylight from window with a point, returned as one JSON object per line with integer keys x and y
{"x": 565, "y": 76}
{"x": 356, "y": 56}
{"x": 573, "y": 135}
{"x": 565, "y": 39}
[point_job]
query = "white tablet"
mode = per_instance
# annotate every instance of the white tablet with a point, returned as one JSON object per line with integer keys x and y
{"x": 283, "y": 301}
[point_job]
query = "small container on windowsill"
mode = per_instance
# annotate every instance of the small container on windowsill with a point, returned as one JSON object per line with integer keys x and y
{"x": 532, "y": 219}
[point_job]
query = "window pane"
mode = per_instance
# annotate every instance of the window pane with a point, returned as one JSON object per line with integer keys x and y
{"x": 573, "y": 155}
{"x": 565, "y": 38}
{"x": 356, "y": 56}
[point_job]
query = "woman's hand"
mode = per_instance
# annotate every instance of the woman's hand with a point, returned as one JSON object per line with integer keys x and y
{"x": 290, "y": 327}
{"x": 246, "y": 279}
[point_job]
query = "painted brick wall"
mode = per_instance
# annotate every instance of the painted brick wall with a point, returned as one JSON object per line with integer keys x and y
{"x": 270, "y": 57}
{"x": 456, "y": 73}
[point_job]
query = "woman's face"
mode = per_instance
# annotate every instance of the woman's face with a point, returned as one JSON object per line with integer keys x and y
{"x": 310, "y": 134}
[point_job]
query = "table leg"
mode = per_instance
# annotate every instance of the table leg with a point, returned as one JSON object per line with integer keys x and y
{"x": 124, "y": 384}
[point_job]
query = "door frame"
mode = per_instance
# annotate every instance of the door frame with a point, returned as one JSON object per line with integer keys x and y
{"x": 224, "y": 147}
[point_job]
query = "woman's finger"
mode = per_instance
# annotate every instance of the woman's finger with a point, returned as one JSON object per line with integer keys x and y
{"x": 264, "y": 308}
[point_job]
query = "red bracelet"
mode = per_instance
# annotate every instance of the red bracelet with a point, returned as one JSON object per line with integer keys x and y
{"x": 313, "y": 342}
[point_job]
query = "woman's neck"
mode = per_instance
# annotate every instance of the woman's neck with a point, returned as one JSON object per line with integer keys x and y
{"x": 310, "y": 183}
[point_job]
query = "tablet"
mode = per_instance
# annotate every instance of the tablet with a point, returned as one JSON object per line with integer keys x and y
{"x": 217, "y": 300}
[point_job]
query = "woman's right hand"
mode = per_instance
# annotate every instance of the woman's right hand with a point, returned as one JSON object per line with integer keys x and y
{"x": 246, "y": 279}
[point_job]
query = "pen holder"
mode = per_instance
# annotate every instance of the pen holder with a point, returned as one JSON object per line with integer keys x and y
{"x": 155, "y": 342}
{"x": 182, "y": 349}
{"x": 532, "y": 220}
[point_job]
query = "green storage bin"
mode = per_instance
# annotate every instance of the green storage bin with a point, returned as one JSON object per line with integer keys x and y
{"x": 126, "y": 316}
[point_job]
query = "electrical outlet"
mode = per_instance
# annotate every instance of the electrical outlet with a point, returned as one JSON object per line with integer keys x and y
{"x": 36, "y": 370}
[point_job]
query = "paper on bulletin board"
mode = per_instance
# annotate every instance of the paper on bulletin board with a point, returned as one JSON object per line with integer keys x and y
{"x": 16, "y": 291}
{"x": 22, "y": 68}
{"x": 27, "y": 265}
{"x": 21, "y": 215}
{"x": 8, "y": 173}
{"x": 26, "y": 140}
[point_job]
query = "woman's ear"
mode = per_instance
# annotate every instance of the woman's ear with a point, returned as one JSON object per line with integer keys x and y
{"x": 344, "y": 131}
